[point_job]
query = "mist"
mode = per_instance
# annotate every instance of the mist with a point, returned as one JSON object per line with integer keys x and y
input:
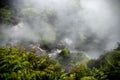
{"x": 91, "y": 26}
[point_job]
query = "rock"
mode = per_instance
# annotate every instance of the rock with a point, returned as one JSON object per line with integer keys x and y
{"x": 37, "y": 49}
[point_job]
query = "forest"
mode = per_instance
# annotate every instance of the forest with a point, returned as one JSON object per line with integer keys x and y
{"x": 59, "y": 40}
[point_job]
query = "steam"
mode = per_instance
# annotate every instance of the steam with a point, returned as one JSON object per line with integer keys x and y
{"x": 55, "y": 53}
{"x": 88, "y": 25}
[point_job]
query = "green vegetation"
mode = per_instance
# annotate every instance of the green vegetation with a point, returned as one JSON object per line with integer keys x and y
{"x": 65, "y": 52}
{"x": 18, "y": 64}
{"x": 107, "y": 66}
{"x": 5, "y": 15}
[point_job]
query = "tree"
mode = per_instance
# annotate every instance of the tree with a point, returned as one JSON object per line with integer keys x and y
{"x": 107, "y": 66}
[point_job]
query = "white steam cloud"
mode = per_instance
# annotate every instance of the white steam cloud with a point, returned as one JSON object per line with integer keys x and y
{"x": 90, "y": 25}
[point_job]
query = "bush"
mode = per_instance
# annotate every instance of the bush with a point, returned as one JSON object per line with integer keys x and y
{"x": 79, "y": 71}
{"x": 16, "y": 63}
{"x": 65, "y": 52}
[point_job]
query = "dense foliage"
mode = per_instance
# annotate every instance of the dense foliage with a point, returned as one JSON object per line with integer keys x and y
{"x": 18, "y": 64}
{"x": 107, "y": 66}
